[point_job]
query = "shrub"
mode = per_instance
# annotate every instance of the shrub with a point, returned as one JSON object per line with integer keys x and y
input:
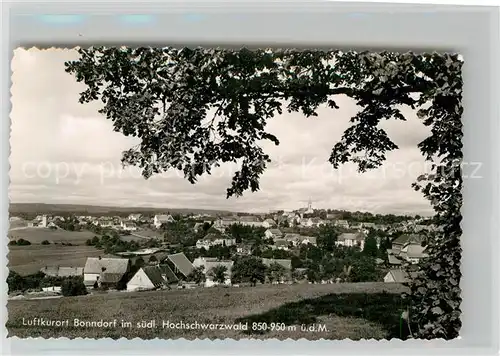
{"x": 45, "y": 242}
{"x": 73, "y": 286}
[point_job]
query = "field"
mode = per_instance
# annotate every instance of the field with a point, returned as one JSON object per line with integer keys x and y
{"x": 37, "y": 235}
{"x": 358, "y": 310}
{"x": 29, "y": 259}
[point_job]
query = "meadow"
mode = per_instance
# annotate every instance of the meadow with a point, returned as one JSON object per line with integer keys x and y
{"x": 30, "y": 259}
{"x": 355, "y": 311}
{"x": 36, "y": 235}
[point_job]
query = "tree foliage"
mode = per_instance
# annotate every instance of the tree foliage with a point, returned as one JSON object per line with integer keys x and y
{"x": 193, "y": 109}
{"x": 218, "y": 273}
{"x": 73, "y": 286}
{"x": 248, "y": 270}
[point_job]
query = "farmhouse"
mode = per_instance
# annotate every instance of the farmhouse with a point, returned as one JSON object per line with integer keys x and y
{"x": 312, "y": 222}
{"x": 151, "y": 277}
{"x": 39, "y": 221}
{"x": 268, "y": 223}
{"x": 342, "y": 223}
{"x": 351, "y": 239}
{"x": 308, "y": 240}
{"x": 212, "y": 239}
{"x": 404, "y": 240}
{"x": 273, "y": 234}
{"x": 62, "y": 271}
{"x": 281, "y": 244}
{"x": 181, "y": 264}
{"x": 105, "y": 272}
{"x": 250, "y": 220}
{"x": 134, "y": 217}
{"x": 159, "y": 220}
{"x": 128, "y": 226}
{"x": 294, "y": 239}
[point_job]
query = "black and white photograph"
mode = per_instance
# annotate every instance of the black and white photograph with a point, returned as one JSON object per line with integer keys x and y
{"x": 249, "y": 193}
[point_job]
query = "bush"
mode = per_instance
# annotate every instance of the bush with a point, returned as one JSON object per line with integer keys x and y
{"x": 73, "y": 286}
{"x": 45, "y": 242}
{"x": 23, "y": 242}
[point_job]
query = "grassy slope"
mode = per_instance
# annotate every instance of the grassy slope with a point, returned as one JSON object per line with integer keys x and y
{"x": 29, "y": 259}
{"x": 354, "y": 315}
{"x": 37, "y": 235}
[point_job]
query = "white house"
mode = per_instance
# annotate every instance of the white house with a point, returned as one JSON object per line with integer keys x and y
{"x": 128, "y": 226}
{"x": 268, "y": 223}
{"x": 159, "y": 220}
{"x": 134, "y": 217}
{"x": 151, "y": 277}
{"x": 273, "y": 234}
{"x": 351, "y": 240}
{"x": 39, "y": 221}
{"x": 213, "y": 240}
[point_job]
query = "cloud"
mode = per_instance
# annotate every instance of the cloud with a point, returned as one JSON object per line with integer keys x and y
{"x": 65, "y": 152}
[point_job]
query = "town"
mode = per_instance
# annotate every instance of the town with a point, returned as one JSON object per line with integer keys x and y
{"x": 145, "y": 251}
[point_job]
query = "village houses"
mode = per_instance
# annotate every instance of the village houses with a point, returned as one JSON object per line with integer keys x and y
{"x": 159, "y": 220}
{"x": 350, "y": 239}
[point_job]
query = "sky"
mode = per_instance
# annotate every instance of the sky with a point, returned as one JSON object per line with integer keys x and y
{"x": 64, "y": 152}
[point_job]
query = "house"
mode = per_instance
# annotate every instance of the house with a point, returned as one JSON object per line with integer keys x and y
{"x": 368, "y": 225}
{"x": 128, "y": 226}
{"x": 406, "y": 239}
{"x": 398, "y": 276}
{"x": 351, "y": 239}
{"x": 151, "y": 277}
{"x": 159, "y": 220}
{"x": 312, "y": 222}
{"x": 39, "y": 221}
{"x": 308, "y": 240}
{"x": 342, "y": 223}
{"x": 273, "y": 234}
{"x": 224, "y": 222}
{"x": 62, "y": 271}
{"x": 268, "y": 223}
{"x": 250, "y": 220}
{"x": 134, "y": 217}
{"x": 181, "y": 264}
{"x": 212, "y": 239}
{"x": 281, "y": 244}
{"x": 104, "y": 222}
{"x": 294, "y": 239}
{"x": 106, "y": 272}
{"x": 413, "y": 253}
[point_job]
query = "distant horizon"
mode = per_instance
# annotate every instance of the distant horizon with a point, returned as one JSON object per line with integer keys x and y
{"x": 166, "y": 209}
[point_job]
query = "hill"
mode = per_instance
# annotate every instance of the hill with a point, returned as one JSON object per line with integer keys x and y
{"x": 64, "y": 209}
{"x": 356, "y": 311}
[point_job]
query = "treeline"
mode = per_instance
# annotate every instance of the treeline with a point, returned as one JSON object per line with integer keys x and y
{"x": 70, "y": 286}
{"x": 112, "y": 244}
